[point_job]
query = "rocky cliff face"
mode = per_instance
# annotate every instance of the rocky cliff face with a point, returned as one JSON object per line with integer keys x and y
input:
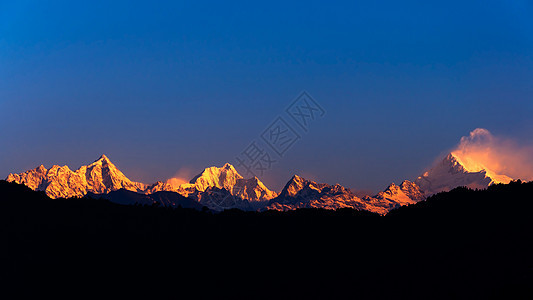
{"x": 100, "y": 177}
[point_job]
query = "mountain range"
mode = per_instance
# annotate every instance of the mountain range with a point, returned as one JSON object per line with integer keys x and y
{"x": 219, "y": 188}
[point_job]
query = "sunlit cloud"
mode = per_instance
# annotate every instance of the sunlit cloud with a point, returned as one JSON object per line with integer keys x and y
{"x": 499, "y": 156}
{"x": 182, "y": 176}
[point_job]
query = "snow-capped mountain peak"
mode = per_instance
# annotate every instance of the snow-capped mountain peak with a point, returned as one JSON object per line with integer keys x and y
{"x": 406, "y": 193}
{"x": 103, "y": 158}
{"x": 224, "y": 177}
{"x": 252, "y": 189}
{"x": 471, "y": 165}
{"x": 454, "y": 171}
{"x": 293, "y": 186}
{"x": 303, "y": 193}
{"x": 412, "y": 190}
{"x": 99, "y": 177}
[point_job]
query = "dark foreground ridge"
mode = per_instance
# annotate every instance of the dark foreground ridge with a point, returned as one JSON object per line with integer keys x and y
{"x": 460, "y": 244}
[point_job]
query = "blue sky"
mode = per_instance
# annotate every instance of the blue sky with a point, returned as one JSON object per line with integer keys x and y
{"x": 162, "y": 87}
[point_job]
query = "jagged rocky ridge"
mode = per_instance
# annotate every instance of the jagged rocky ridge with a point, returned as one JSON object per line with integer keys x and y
{"x": 303, "y": 193}
{"x": 221, "y": 188}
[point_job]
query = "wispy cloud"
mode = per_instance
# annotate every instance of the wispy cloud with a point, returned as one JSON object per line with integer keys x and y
{"x": 483, "y": 150}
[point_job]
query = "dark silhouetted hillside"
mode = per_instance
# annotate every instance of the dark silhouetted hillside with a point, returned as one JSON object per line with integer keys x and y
{"x": 162, "y": 198}
{"x": 460, "y": 244}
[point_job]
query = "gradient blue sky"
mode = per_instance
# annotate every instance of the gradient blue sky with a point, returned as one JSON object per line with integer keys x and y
{"x": 161, "y": 87}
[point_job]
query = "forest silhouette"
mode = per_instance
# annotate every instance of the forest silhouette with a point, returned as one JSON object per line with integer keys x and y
{"x": 459, "y": 244}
